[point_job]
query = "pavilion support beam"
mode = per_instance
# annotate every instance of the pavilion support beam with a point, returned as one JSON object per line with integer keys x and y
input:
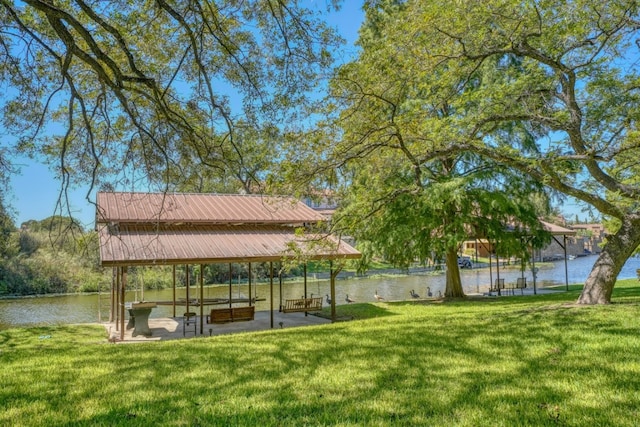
{"x": 230, "y": 290}
{"x": 174, "y": 291}
{"x": 249, "y": 272}
{"x": 201, "y": 299}
{"x": 533, "y": 269}
{"x": 305, "y": 285}
{"x": 112, "y": 299}
{"x": 523, "y": 246}
{"x": 497, "y": 270}
{"x": 333, "y": 292}
{"x": 271, "y": 292}
{"x": 123, "y": 285}
{"x": 280, "y": 285}
{"x": 186, "y": 272}
{"x": 566, "y": 267}
{"x": 117, "y": 299}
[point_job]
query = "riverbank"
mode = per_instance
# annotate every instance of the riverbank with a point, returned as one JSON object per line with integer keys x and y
{"x": 312, "y": 277}
{"x": 86, "y": 308}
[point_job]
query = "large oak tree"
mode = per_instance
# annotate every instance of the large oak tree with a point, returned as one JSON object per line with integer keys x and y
{"x": 385, "y": 140}
{"x": 140, "y": 94}
{"x": 562, "y": 72}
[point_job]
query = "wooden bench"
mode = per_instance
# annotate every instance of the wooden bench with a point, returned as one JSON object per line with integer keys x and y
{"x": 498, "y": 286}
{"x": 302, "y": 304}
{"x": 231, "y": 314}
{"x": 521, "y": 284}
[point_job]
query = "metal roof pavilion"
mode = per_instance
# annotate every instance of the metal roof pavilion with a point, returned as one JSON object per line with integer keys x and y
{"x": 157, "y": 229}
{"x": 173, "y": 228}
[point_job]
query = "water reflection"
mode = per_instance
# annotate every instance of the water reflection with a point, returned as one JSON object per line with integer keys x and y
{"x": 84, "y": 308}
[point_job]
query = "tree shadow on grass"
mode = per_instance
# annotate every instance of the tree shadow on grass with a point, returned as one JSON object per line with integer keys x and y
{"x": 358, "y": 311}
{"x": 499, "y": 367}
{"x": 629, "y": 292}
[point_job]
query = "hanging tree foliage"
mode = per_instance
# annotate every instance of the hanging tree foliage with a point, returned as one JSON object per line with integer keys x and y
{"x": 110, "y": 93}
{"x": 547, "y": 88}
{"x": 405, "y": 195}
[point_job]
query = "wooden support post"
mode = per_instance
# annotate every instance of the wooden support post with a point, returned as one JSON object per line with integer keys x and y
{"x": 112, "y": 302}
{"x": 230, "y": 284}
{"x": 305, "y": 285}
{"x": 174, "y": 291}
{"x": 271, "y": 290}
{"x": 186, "y": 269}
{"x": 117, "y": 299}
{"x": 533, "y": 268}
{"x": 498, "y": 271}
{"x": 280, "y": 284}
{"x": 566, "y": 268}
{"x": 201, "y": 299}
{"x": 250, "y": 303}
{"x": 123, "y": 285}
{"x": 333, "y": 292}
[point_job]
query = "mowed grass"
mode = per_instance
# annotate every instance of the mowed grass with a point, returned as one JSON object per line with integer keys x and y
{"x": 511, "y": 361}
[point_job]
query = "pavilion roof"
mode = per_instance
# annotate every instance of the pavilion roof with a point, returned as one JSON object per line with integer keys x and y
{"x": 200, "y": 208}
{"x": 557, "y": 230}
{"x": 152, "y": 228}
{"x": 140, "y": 245}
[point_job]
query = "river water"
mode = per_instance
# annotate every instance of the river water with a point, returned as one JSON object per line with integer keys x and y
{"x": 65, "y": 309}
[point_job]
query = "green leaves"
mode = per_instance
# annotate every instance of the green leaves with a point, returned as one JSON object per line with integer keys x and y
{"x": 132, "y": 90}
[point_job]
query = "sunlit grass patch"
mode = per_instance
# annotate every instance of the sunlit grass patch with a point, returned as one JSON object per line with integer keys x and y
{"x": 538, "y": 360}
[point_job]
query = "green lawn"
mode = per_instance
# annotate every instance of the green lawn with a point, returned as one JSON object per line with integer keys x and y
{"x": 510, "y": 361}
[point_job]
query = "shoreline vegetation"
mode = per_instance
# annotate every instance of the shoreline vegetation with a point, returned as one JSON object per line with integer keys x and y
{"x": 379, "y": 270}
{"x": 534, "y": 360}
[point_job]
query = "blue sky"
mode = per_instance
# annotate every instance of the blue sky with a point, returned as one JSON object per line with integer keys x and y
{"x": 36, "y": 191}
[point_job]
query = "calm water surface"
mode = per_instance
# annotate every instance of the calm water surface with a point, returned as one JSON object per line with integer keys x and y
{"x": 67, "y": 309}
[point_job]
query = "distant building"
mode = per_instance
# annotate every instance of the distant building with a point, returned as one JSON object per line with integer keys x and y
{"x": 592, "y": 236}
{"x": 579, "y": 240}
{"x": 324, "y": 202}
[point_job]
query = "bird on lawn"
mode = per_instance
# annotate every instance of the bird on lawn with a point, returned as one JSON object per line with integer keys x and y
{"x": 414, "y": 295}
{"x": 349, "y": 300}
{"x": 429, "y": 293}
{"x": 328, "y": 299}
{"x": 378, "y": 297}
{"x": 112, "y": 338}
{"x": 439, "y": 294}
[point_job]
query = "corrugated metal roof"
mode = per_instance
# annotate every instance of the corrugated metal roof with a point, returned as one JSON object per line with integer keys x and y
{"x": 556, "y": 230}
{"x": 145, "y": 245}
{"x": 132, "y": 208}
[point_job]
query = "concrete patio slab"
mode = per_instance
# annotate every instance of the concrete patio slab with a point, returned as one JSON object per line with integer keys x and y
{"x": 172, "y": 328}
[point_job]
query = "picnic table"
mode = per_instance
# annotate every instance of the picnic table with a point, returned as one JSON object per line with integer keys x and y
{"x": 139, "y": 318}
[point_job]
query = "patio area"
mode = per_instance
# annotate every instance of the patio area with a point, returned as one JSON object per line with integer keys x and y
{"x": 195, "y": 230}
{"x": 172, "y": 328}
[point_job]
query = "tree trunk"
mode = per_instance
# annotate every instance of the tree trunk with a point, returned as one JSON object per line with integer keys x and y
{"x": 454, "y": 284}
{"x": 599, "y": 285}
